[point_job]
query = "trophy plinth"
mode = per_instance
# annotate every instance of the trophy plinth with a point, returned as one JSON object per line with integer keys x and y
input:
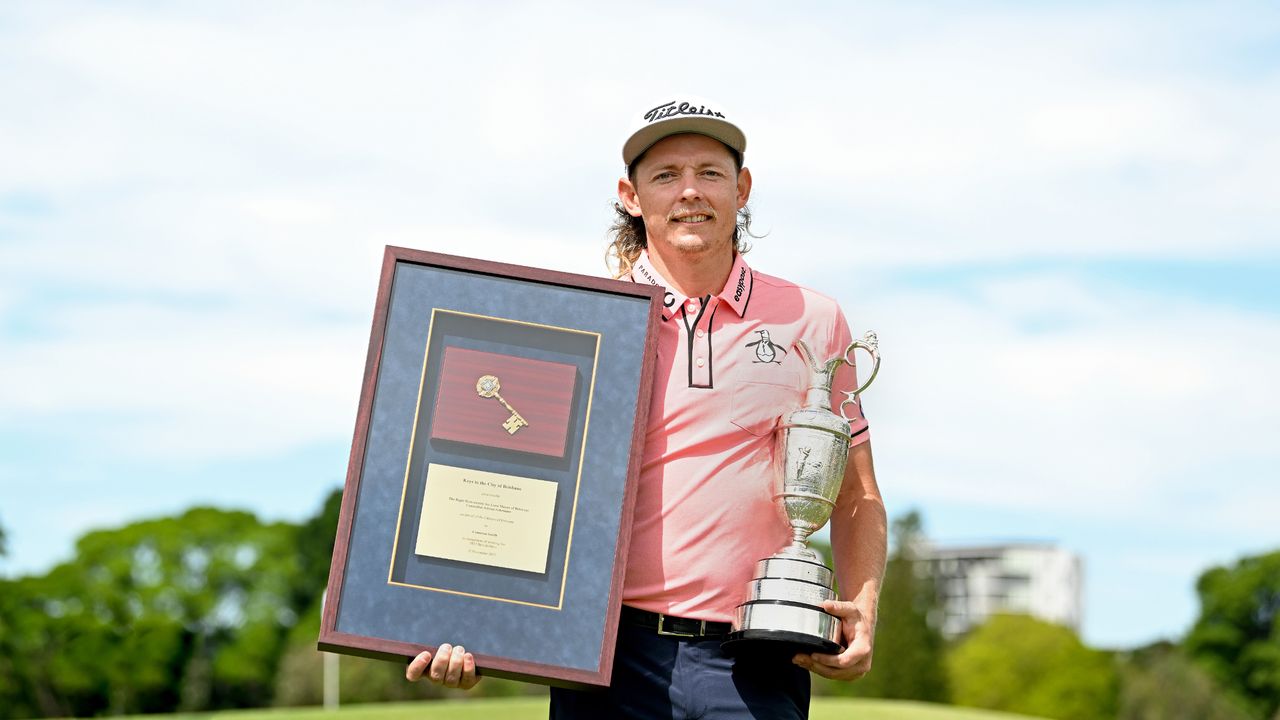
{"x": 783, "y": 611}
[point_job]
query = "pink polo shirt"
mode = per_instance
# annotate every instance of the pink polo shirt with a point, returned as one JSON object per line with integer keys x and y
{"x": 727, "y": 371}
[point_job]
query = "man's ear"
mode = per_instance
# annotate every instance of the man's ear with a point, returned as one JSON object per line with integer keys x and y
{"x": 744, "y": 187}
{"x": 627, "y": 195}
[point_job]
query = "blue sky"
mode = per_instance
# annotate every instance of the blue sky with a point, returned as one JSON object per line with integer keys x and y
{"x": 1061, "y": 218}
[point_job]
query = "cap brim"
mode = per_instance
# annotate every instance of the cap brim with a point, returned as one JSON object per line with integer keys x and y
{"x": 646, "y": 137}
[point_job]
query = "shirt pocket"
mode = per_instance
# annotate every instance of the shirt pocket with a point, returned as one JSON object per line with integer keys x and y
{"x": 757, "y": 406}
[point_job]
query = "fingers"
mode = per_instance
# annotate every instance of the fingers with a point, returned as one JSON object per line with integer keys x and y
{"x": 855, "y": 660}
{"x": 469, "y": 677}
{"x": 834, "y": 673}
{"x": 851, "y": 664}
{"x": 453, "y": 672}
{"x": 842, "y": 609}
{"x": 440, "y": 665}
{"x": 417, "y": 666}
{"x": 450, "y": 666}
{"x": 856, "y": 628}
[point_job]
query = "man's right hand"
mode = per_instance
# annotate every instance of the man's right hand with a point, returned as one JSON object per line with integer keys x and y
{"x": 452, "y": 666}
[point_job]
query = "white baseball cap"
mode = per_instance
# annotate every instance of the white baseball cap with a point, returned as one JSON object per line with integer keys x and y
{"x": 685, "y": 114}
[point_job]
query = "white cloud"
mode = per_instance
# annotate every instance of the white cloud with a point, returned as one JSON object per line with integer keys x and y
{"x": 177, "y": 383}
{"x": 1117, "y": 413}
{"x": 989, "y": 138}
{"x": 941, "y": 137}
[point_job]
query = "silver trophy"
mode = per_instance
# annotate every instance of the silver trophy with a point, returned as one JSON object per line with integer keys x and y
{"x": 784, "y": 601}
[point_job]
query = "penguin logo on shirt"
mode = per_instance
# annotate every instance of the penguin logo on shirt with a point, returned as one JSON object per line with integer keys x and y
{"x": 766, "y": 349}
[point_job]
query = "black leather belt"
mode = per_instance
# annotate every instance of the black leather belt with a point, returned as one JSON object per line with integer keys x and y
{"x": 673, "y": 626}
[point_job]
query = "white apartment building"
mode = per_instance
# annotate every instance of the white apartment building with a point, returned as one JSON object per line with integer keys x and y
{"x": 976, "y": 581}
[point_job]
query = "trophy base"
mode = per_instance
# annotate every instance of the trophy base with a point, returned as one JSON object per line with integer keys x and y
{"x": 783, "y": 642}
{"x": 783, "y": 611}
{"x": 781, "y": 626}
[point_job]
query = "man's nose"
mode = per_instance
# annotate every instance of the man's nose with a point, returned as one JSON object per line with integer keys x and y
{"x": 690, "y": 191}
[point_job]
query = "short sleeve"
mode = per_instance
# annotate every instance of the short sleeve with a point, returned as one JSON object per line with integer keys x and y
{"x": 846, "y": 378}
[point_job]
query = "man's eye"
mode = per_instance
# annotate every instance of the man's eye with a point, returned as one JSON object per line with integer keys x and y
{"x": 664, "y": 176}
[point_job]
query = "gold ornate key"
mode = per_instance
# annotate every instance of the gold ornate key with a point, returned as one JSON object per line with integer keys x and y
{"x": 487, "y": 387}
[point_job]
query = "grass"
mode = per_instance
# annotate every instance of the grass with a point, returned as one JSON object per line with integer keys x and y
{"x": 536, "y": 709}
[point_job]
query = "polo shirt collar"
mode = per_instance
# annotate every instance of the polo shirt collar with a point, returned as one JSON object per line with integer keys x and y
{"x": 735, "y": 294}
{"x": 737, "y": 289}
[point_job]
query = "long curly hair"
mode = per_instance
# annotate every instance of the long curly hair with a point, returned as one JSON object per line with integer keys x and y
{"x": 627, "y": 238}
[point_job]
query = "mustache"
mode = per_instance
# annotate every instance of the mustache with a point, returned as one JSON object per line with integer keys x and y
{"x": 687, "y": 211}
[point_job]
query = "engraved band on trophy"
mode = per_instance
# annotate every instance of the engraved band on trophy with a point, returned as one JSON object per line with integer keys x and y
{"x": 784, "y": 600}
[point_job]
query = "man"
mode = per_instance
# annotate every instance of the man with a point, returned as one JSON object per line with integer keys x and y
{"x": 726, "y": 370}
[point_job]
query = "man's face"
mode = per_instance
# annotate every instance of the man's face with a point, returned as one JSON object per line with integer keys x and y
{"x": 688, "y": 192}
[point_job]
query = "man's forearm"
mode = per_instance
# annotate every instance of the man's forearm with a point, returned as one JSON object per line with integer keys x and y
{"x": 859, "y": 532}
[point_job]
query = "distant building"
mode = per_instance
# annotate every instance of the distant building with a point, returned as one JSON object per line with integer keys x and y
{"x": 976, "y": 581}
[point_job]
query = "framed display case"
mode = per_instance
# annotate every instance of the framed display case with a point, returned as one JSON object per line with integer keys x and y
{"x": 497, "y": 444}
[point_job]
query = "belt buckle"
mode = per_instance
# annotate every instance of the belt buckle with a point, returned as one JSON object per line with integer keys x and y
{"x": 662, "y": 619}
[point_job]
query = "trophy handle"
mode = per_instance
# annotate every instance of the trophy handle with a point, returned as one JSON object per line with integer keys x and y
{"x": 871, "y": 344}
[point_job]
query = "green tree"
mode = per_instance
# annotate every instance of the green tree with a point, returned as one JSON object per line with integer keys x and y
{"x": 1160, "y": 683}
{"x": 186, "y": 611}
{"x": 60, "y": 655}
{"x": 909, "y": 652}
{"x": 1020, "y": 664}
{"x": 224, "y": 577}
{"x": 16, "y": 624}
{"x": 1237, "y": 636}
{"x": 314, "y": 542}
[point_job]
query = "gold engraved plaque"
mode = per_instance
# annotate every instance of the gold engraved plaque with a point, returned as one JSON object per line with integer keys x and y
{"x": 486, "y": 518}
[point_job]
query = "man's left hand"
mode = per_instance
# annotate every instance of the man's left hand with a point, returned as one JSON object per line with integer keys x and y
{"x": 859, "y": 635}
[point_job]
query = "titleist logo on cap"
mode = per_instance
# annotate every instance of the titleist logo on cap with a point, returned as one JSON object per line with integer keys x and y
{"x": 666, "y": 110}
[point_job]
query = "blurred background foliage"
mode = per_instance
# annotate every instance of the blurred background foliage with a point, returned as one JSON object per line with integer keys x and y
{"x": 1225, "y": 669}
{"x": 1237, "y": 638}
{"x": 1024, "y": 665}
{"x": 216, "y": 609}
{"x": 908, "y": 659}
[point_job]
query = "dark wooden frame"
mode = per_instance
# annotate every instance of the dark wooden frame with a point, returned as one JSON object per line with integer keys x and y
{"x": 488, "y": 663}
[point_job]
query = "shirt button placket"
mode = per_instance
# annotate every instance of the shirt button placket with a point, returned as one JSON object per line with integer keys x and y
{"x": 700, "y": 346}
{"x": 702, "y": 352}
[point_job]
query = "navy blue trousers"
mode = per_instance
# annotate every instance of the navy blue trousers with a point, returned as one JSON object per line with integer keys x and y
{"x": 656, "y": 676}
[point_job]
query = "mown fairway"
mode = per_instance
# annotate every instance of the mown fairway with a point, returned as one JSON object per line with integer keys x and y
{"x": 536, "y": 709}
